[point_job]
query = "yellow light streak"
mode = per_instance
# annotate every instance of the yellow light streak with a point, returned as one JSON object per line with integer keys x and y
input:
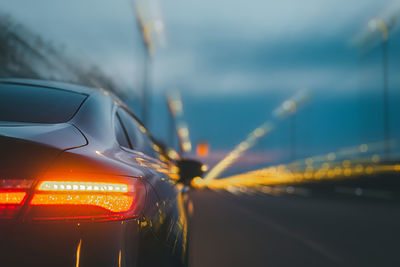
{"x": 282, "y": 175}
{"x": 238, "y": 151}
{"x": 78, "y": 253}
{"x": 287, "y": 107}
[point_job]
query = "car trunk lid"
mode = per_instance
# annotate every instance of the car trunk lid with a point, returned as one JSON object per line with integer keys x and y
{"x": 27, "y": 149}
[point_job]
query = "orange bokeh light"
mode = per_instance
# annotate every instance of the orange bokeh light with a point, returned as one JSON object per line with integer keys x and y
{"x": 202, "y": 149}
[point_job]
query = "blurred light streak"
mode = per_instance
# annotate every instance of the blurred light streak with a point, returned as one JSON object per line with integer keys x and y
{"x": 183, "y": 221}
{"x": 349, "y": 152}
{"x": 172, "y": 154}
{"x": 386, "y": 22}
{"x": 379, "y": 24}
{"x": 149, "y": 19}
{"x": 289, "y": 106}
{"x": 175, "y": 107}
{"x": 240, "y": 149}
{"x": 326, "y": 167}
{"x": 78, "y": 253}
{"x": 283, "y": 175}
{"x": 149, "y": 16}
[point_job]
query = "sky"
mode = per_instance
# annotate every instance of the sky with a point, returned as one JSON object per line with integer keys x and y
{"x": 261, "y": 45}
{"x": 235, "y": 61}
{"x": 218, "y": 47}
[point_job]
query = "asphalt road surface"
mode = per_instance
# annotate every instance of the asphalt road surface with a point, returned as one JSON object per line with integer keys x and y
{"x": 297, "y": 228}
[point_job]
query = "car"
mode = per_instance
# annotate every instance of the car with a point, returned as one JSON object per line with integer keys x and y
{"x": 83, "y": 183}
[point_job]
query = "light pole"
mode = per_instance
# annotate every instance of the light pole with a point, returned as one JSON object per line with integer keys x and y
{"x": 373, "y": 25}
{"x": 149, "y": 20}
{"x": 171, "y": 122}
{"x": 293, "y": 137}
{"x": 146, "y": 93}
{"x": 142, "y": 23}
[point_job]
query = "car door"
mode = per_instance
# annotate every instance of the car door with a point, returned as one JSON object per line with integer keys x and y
{"x": 168, "y": 225}
{"x": 148, "y": 154}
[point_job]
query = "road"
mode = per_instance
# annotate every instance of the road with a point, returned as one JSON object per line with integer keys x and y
{"x": 296, "y": 229}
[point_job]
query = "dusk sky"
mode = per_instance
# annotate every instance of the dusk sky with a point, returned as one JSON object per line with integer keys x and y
{"x": 218, "y": 47}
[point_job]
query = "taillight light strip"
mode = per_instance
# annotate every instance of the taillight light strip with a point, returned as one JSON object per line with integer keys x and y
{"x": 89, "y": 199}
{"x": 112, "y": 203}
{"x": 113, "y": 197}
{"x": 73, "y": 186}
{"x": 13, "y": 194}
{"x": 13, "y": 191}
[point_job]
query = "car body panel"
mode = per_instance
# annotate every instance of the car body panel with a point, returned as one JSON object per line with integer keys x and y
{"x": 70, "y": 243}
{"x": 46, "y": 134}
{"x": 157, "y": 237}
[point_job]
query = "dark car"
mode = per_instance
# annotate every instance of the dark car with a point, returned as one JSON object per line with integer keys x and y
{"x": 83, "y": 183}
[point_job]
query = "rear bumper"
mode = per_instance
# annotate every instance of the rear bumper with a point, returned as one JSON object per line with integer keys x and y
{"x": 110, "y": 243}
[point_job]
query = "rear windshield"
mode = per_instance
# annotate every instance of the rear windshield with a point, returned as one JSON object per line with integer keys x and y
{"x": 20, "y": 103}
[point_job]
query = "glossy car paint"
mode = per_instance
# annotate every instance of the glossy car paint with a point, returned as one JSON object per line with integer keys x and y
{"x": 86, "y": 145}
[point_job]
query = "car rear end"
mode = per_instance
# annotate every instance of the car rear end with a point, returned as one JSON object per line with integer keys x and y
{"x": 54, "y": 217}
{"x": 44, "y": 226}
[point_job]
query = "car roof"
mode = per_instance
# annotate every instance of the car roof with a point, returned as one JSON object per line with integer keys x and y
{"x": 80, "y": 89}
{"x": 52, "y": 84}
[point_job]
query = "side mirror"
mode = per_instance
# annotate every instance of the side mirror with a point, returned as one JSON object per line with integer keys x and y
{"x": 188, "y": 169}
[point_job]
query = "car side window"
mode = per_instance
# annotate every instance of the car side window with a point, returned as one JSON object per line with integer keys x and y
{"x": 138, "y": 138}
{"x": 120, "y": 132}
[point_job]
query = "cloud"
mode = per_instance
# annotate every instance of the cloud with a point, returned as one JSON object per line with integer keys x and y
{"x": 215, "y": 47}
{"x": 275, "y": 18}
{"x": 233, "y": 47}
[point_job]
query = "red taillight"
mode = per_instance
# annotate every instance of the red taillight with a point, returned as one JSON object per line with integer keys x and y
{"x": 91, "y": 199}
{"x": 11, "y": 198}
{"x": 13, "y": 193}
